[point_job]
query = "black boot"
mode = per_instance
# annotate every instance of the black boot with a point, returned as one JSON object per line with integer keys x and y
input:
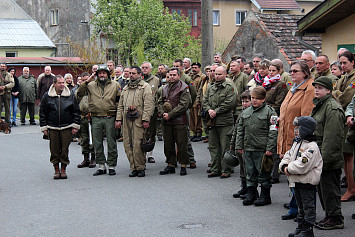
{"x": 252, "y": 195}
{"x": 92, "y": 161}
{"x": 243, "y": 191}
{"x": 85, "y": 162}
{"x": 298, "y": 229}
{"x": 307, "y": 230}
{"x": 264, "y": 198}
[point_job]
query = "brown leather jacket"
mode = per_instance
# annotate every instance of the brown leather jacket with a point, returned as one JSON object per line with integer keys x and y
{"x": 178, "y": 96}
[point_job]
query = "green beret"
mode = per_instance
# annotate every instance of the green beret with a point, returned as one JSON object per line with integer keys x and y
{"x": 324, "y": 81}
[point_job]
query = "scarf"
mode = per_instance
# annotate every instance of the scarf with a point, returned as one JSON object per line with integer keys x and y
{"x": 269, "y": 81}
{"x": 294, "y": 87}
{"x": 134, "y": 84}
{"x": 259, "y": 80}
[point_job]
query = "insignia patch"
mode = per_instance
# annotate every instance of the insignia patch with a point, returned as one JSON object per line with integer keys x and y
{"x": 289, "y": 83}
{"x": 352, "y": 85}
{"x": 311, "y": 151}
{"x": 304, "y": 160}
{"x": 192, "y": 83}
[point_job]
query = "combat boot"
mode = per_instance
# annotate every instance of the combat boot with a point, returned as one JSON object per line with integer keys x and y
{"x": 92, "y": 161}
{"x": 298, "y": 229}
{"x": 243, "y": 191}
{"x": 307, "y": 230}
{"x": 85, "y": 162}
{"x": 63, "y": 171}
{"x": 252, "y": 195}
{"x": 56, "y": 172}
{"x": 264, "y": 198}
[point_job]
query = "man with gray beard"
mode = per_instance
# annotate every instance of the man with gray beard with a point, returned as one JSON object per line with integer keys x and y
{"x": 103, "y": 96}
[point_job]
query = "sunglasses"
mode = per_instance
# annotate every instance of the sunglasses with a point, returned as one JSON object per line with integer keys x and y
{"x": 295, "y": 71}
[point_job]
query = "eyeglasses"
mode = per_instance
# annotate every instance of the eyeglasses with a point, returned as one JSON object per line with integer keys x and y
{"x": 295, "y": 71}
{"x": 144, "y": 67}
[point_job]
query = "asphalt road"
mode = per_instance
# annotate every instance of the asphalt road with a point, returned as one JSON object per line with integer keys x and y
{"x": 33, "y": 204}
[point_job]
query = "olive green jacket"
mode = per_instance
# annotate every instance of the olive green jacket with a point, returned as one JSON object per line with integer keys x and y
{"x": 345, "y": 88}
{"x": 255, "y": 132}
{"x": 330, "y": 131}
{"x": 154, "y": 83}
{"x": 286, "y": 77}
{"x": 102, "y": 102}
{"x": 240, "y": 81}
{"x": 7, "y": 80}
{"x": 28, "y": 89}
{"x": 327, "y": 73}
{"x": 222, "y": 99}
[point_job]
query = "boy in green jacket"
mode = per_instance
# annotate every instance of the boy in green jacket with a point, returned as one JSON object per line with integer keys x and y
{"x": 257, "y": 139}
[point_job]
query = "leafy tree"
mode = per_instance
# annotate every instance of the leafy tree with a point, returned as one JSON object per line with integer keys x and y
{"x": 145, "y": 31}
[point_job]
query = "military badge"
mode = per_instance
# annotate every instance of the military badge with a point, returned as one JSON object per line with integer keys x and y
{"x": 304, "y": 160}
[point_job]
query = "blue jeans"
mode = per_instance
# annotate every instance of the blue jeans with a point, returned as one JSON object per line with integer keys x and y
{"x": 13, "y": 110}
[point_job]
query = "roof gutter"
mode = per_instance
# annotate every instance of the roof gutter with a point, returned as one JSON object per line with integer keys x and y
{"x": 304, "y": 43}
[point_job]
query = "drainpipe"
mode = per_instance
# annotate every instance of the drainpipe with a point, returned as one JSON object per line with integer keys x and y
{"x": 305, "y": 44}
{"x": 53, "y": 52}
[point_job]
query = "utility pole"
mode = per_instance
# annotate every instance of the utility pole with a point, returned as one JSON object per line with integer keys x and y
{"x": 206, "y": 32}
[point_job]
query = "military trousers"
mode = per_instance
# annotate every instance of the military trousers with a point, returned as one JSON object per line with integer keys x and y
{"x": 175, "y": 135}
{"x": 86, "y": 147}
{"x": 219, "y": 139}
{"x": 24, "y": 106}
{"x": 240, "y": 158}
{"x": 195, "y": 121}
{"x": 132, "y": 138}
{"x": 253, "y": 160}
{"x": 59, "y": 141}
{"x": 305, "y": 198}
{"x": 329, "y": 192}
{"x": 5, "y": 101}
{"x": 153, "y": 124}
{"x": 99, "y": 126}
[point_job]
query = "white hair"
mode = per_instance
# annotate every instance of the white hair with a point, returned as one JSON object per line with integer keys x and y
{"x": 25, "y": 68}
{"x": 149, "y": 64}
{"x": 187, "y": 60}
{"x": 310, "y": 52}
{"x": 48, "y": 67}
{"x": 121, "y": 70}
{"x": 68, "y": 75}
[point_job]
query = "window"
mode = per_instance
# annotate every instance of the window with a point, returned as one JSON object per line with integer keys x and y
{"x": 189, "y": 13}
{"x": 177, "y": 11}
{"x": 54, "y": 17}
{"x": 11, "y": 53}
{"x": 192, "y": 16}
{"x": 194, "y": 21}
{"x": 239, "y": 17}
{"x": 216, "y": 17}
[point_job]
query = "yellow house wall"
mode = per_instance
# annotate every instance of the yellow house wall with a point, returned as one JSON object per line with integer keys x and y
{"x": 28, "y": 52}
{"x": 342, "y": 32}
{"x": 306, "y": 5}
{"x": 227, "y": 28}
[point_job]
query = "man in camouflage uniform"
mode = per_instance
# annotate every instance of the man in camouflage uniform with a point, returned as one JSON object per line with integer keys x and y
{"x": 137, "y": 99}
{"x": 218, "y": 102}
{"x": 6, "y": 83}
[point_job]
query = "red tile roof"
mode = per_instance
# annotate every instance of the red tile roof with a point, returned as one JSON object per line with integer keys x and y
{"x": 276, "y": 4}
{"x": 281, "y": 28}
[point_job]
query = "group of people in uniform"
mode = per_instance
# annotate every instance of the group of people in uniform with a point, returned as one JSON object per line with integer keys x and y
{"x": 254, "y": 114}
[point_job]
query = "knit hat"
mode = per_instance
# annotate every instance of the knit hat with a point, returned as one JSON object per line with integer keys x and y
{"x": 324, "y": 81}
{"x": 307, "y": 125}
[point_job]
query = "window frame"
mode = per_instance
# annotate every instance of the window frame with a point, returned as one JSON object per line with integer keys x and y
{"x": 54, "y": 17}
{"x": 240, "y": 16}
{"x": 11, "y": 52}
{"x": 219, "y": 17}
